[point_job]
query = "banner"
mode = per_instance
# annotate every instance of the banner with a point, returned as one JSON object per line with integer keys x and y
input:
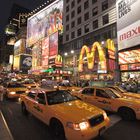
{"x": 128, "y": 23}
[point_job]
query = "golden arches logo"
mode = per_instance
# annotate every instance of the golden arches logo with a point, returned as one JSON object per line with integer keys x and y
{"x": 90, "y": 55}
{"x": 58, "y": 60}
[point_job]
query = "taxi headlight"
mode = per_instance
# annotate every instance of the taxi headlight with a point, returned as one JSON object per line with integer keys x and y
{"x": 78, "y": 126}
{"x": 105, "y": 115}
{"x": 73, "y": 89}
{"x": 12, "y": 93}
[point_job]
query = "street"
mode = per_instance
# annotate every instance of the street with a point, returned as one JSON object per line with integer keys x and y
{"x": 30, "y": 128}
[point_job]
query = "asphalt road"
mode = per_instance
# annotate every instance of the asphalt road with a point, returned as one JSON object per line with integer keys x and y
{"x": 30, "y": 128}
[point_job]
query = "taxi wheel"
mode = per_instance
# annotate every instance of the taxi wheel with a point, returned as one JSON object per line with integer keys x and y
{"x": 23, "y": 109}
{"x": 127, "y": 114}
{"x": 57, "y": 130}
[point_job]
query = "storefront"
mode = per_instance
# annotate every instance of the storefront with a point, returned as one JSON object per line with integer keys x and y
{"x": 129, "y": 62}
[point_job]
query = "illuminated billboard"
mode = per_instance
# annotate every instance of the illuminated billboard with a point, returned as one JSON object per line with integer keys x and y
{"x": 128, "y": 23}
{"x": 129, "y": 57}
{"x": 45, "y": 22}
{"x": 19, "y": 47}
{"x": 45, "y": 51}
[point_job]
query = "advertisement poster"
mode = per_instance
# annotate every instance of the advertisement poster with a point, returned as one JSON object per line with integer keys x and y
{"x": 129, "y": 57}
{"x": 19, "y": 47}
{"x": 45, "y": 51}
{"x": 128, "y": 23}
{"x": 45, "y": 22}
{"x": 53, "y": 50}
{"x": 25, "y": 62}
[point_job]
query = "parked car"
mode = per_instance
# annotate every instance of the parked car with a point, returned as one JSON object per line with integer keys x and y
{"x": 67, "y": 117}
{"x": 108, "y": 99}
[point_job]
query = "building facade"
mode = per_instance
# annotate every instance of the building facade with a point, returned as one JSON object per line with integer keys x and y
{"x": 86, "y": 22}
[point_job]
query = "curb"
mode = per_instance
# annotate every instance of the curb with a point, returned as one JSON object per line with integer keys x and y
{"x": 6, "y": 126}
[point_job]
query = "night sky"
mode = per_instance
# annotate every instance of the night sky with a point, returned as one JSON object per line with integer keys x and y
{"x": 6, "y": 5}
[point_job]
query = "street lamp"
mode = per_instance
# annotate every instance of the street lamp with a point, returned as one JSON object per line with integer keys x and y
{"x": 72, "y": 51}
{"x": 65, "y": 53}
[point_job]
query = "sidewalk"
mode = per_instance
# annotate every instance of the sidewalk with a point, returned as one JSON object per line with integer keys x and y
{"x": 5, "y": 133}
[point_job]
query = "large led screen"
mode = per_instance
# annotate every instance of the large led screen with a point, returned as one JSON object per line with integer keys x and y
{"x": 45, "y": 22}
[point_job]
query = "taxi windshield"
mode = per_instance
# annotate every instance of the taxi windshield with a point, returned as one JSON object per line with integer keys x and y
{"x": 28, "y": 81}
{"x": 60, "y": 96}
{"x": 15, "y": 85}
{"x": 120, "y": 89}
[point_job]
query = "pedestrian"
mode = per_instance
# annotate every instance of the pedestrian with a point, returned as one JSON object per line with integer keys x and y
{"x": 1, "y": 93}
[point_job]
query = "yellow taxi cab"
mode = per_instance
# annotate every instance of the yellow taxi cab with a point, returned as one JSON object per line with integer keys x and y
{"x": 68, "y": 117}
{"x": 29, "y": 83}
{"x": 108, "y": 99}
{"x": 68, "y": 86}
{"x": 14, "y": 90}
{"x": 123, "y": 92}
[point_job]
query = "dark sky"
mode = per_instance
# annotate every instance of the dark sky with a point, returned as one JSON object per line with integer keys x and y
{"x": 5, "y": 8}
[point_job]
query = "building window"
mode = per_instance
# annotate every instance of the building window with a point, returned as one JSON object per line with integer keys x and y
{"x": 72, "y": 35}
{"x": 79, "y": 10}
{"x": 67, "y": 8}
{"x": 105, "y": 19}
{"x": 72, "y": 4}
{"x": 67, "y": 27}
{"x": 72, "y": 24}
{"x": 86, "y": 4}
{"x": 79, "y": 20}
{"x": 86, "y": 28}
{"x": 67, "y": 37}
{"x": 72, "y": 14}
{"x": 67, "y": 18}
{"x": 105, "y": 5}
{"x": 95, "y": 11}
{"x": 86, "y": 16}
{"x": 79, "y": 32}
{"x": 67, "y": 1}
{"x": 95, "y": 24}
{"x": 78, "y": 1}
{"x": 94, "y": 1}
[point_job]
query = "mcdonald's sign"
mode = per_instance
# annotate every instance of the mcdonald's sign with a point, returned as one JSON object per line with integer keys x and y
{"x": 58, "y": 60}
{"x": 90, "y": 55}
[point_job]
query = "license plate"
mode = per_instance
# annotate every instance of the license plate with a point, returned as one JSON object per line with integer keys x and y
{"x": 101, "y": 131}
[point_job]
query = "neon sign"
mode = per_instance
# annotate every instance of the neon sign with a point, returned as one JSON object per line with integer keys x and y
{"x": 90, "y": 55}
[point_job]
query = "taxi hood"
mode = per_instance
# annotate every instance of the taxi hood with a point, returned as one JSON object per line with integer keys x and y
{"x": 77, "y": 111}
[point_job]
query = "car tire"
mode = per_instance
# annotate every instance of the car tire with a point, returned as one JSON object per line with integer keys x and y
{"x": 23, "y": 109}
{"x": 57, "y": 130}
{"x": 127, "y": 114}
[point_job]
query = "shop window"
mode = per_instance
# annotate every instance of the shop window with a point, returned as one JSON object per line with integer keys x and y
{"x": 95, "y": 24}
{"x": 86, "y": 16}
{"x": 72, "y": 14}
{"x": 79, "y": 20}
{"x": 67, "y": 37}
{"x": 67, "y": 27}
{"x": 73, "y": 35}
{"x": 95, "y": 11}
{"x": 105, "y": 19}
{"x": 72, "y": 24}
{"x": 67, "y": 8}
{"x": 72, "y": 4}
{"x": 86, "y": 4}
{"x": 67, "y": 18}
{"x": 79, "y": 10}
{"x": 105, "y": 5}
{"x": 86, "y": 28}
{"x": 79, "y": 32}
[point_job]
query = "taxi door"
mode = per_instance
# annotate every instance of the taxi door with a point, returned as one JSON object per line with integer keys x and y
{"x": 87, "y": 95}
{"x": 40, "y": 108}
{"x": 102, "y": 100}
